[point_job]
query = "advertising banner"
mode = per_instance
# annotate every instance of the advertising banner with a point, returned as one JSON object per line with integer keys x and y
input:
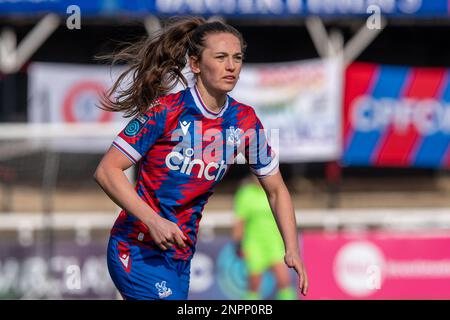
{"x": 79, "y": 271}
{"x": 378, "y": 264}
{"x": 218, "y": 273}
{"x": 233, "y": 8}
{"x": 340, "y": 265}
{"x": 70, "y": 271}
{"x": 396, "y": 116}
{"x": 69, "y": 93}
{"x": 301, "y": 99}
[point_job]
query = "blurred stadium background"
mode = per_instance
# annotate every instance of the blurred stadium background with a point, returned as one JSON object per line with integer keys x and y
{"x": 361, "y": 101}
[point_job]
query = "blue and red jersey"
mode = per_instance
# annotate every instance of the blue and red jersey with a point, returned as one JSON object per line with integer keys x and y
{"x": 182, "y": 151}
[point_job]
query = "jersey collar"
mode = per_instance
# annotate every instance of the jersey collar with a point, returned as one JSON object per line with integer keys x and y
{"x": 203, "y": 108}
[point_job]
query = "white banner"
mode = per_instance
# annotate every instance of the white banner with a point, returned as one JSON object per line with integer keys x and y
{"x": 303, "y": 100}
{"x": 70, "y": 94}
{"x": 65, "y": 93}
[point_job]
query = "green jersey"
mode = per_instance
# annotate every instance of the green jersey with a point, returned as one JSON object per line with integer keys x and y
{"x": 262, "y": 243}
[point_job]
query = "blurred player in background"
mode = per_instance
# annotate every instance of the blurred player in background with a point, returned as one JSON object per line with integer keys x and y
{"x": 153, "y": 239}
{"x": 259, "y": 242}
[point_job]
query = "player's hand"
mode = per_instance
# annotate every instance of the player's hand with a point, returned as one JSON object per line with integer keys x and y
{"x": 165, "y": 233}
{"x": 294, "y": 261}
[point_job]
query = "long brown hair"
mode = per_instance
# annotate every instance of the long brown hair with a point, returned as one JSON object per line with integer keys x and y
{"x": 155, "y": 64}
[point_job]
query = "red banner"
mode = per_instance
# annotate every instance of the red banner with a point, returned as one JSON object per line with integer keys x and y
{"x": 396, "y": 116}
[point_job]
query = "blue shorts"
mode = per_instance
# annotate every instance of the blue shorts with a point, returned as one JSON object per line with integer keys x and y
{"x": 143, "y": 274}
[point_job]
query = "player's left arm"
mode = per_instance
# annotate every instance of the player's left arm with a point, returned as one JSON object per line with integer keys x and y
{"x": 283, "y": 210}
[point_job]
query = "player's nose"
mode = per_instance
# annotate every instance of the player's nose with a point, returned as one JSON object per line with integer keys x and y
{"x": 230, "y": 65}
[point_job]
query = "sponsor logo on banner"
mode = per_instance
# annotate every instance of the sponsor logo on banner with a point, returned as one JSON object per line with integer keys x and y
{"x": 69, "y": 93}
{"x": 81, "y": 103}
{"x": 352, "y": 265}
{"x": 302, "y": 7}
{"x": 61, "y": 93}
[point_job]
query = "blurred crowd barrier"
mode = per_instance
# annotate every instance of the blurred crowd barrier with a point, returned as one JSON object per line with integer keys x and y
{"x": 349, "y": 254}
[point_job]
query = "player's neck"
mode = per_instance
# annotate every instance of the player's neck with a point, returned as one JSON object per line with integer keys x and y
{"x": 213, "y": 101}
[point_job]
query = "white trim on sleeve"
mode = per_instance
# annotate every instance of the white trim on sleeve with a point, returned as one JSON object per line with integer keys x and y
{"x": 268, "y": 170}
{"x": 127, "y": 149}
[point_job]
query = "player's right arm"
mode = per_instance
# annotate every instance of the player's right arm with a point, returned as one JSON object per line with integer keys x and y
{"x": 112, "y": 179}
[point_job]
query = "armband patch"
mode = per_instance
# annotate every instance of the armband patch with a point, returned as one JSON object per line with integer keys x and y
{"x": 135, "y": 126}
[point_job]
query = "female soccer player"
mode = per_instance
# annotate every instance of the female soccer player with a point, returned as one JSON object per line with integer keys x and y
{"x": 179, "y": 142}
{"x": 259, "y": 241}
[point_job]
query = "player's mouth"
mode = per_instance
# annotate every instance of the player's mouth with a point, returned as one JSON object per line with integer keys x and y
{"x": 230, "y": 78}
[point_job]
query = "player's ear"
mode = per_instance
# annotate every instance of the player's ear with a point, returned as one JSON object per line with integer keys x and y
{"x": 194, "y": 64}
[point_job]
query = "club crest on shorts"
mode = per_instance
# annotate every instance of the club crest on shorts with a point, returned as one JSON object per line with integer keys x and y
{"x": 163, "y": 291}
{"x": 135, "y": 126}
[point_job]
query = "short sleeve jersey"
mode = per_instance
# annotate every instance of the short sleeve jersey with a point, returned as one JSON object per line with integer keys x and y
{"x": 252, "y": 206}
{"x": 182, "y": 150}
